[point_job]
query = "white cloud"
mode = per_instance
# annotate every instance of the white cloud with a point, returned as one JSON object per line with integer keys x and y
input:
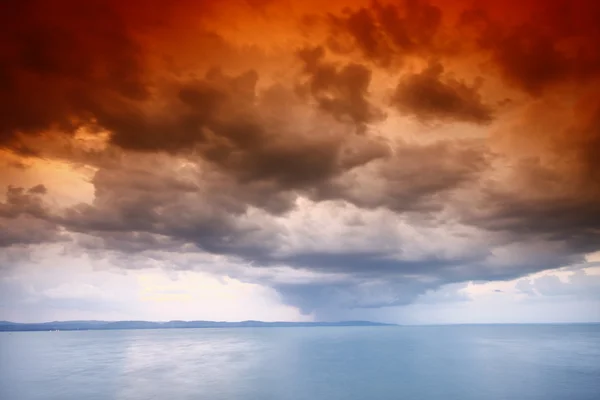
{"x": 55, "y": 285}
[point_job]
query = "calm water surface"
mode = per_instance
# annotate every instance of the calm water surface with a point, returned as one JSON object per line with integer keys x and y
{"x": 520, "y": 362}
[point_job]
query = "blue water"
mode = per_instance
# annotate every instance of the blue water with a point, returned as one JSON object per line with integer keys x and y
{"x": 490, "y": 362}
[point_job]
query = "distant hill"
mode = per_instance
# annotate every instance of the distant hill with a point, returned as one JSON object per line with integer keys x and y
{"x": 6, "y": 326}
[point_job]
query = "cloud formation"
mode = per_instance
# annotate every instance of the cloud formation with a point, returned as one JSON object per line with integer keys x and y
{"x": 340, "y": 91}
{"x": 389, "y": 150}
{"x": 428, "y": 97}
{"x": 24, "y": 218}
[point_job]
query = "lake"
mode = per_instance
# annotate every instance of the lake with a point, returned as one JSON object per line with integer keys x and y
{"x": 491, "y": 362}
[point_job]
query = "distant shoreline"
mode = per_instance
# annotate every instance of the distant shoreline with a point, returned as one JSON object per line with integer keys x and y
{"x": 6, "y": 326}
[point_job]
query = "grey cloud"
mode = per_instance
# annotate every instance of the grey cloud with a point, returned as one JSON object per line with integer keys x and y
{"x": 249, "y": 134}
{"x": 431, "y": 97}
{"x": 319, "y": 297}
{"x": 542, "y": 202}
{"x": 386, "y": 33}
{"x": 20, "y": 201}
{"x": 416, "y": 178}
{"x": 579, "y": 284}
{"x": 25, "y": 218}
{"x": 38, "y": 189}
{"x": 140, "y": 208}
{"x": 137, "y": 219}
{"x": 525, "y": 286}
{"x": 24, "y": 230}
{"x": 341, "y": 91}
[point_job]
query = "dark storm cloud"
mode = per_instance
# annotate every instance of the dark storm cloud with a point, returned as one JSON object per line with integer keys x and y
{"x": 564, "y": 212}
{"x": 37, "y": 189}
{"x": 340, "y": 91}
{"x": 129, "y": 216}
{"x": 24, "y": 201}
{"x": 370, "y": 264}
{"x": 217, "y": 105}
{"x": 251, "y": 135}
{"x": 66, "y": 64}
{"x": 162, "y": 215}
{"x": 139, "y": 208}
{"x": 533, "y": 44}
{"x": 537, "y": 44}
{"x": 385, "y": 32}
{"x": 430, "y": 97}
{"x": 417, "y": 178}
{"x": 554, "y": 194}
{"x": 294, "y": 150}
{"x": 217, "y": 161}
{"x": 25, "y": 219}
{"x": 318, "y": 297}
{"x": 374, "y": 280}
{"x": 57, "y": 58}
{"x": 209, "y": 206}
{"x": 198, "y": 205}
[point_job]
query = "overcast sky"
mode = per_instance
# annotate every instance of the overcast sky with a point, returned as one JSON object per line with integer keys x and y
{"x": 405, "y": 161}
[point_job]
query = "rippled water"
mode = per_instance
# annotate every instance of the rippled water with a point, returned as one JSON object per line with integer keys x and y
{"x": 453, "y": 362}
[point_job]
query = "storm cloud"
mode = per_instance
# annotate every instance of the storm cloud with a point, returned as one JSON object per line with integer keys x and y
{"x": 390, "y": 150}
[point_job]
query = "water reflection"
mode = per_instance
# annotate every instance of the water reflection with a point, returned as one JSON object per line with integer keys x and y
{"x": 181, "y": 364}
{"x": 461, "y": 363}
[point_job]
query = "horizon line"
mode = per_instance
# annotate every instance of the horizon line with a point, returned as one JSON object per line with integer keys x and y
{"x": 303, "y": 322}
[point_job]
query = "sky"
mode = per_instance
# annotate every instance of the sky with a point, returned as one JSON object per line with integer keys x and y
{"x": 404, "y": 161}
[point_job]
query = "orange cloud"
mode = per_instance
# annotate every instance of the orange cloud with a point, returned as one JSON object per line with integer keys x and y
{"x": 205, "y": 122}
